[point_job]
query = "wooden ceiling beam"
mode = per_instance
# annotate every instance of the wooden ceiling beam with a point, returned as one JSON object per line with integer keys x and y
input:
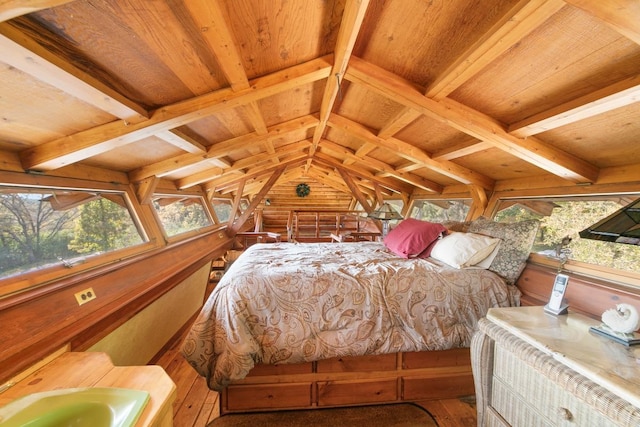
{"x": 519, "y": 21}
{"x": 473, "y": 123}
{"x": 402, "y": 119}
{"x": 362, "y": 173}
{"x": 409, "y": 166}
{"x": 461, "y": 149}
{"x": 13, "y": 8}
{"x": 328, "y": 178}
{"x": 22, "y": 51}
{"x": 210, "y": 19}
{"x": 237, "y": 225}
{"x": 622, "y": 15}
{"x": 256, "y": 168}
{"x": 161, "y": 29}
{"x": 410, "y": 152}
{"x": 352, "y": 17}
{"x": 223, "y": 148}
{"x": 384, "y": 168}
{"x": 355, "y": 190}
{"x": 515, "y": 24}
{"x": 235, "y": 206}
{"x": 292, "y": 161}
{"x": 614, "y": 96}
{"x": 100, "y": 139}
{"x": 181, "y": 140}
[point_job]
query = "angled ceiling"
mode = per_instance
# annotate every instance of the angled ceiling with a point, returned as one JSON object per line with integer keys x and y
{"x": 400, "y": 95}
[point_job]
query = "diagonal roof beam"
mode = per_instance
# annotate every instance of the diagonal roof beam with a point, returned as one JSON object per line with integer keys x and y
{"x": 23, "y": 52}
{"x": 384, "y": 168}
{"x": 519, "y": 21}
{"x": 235, "y": 207}
{"x": 181, "y": 140}
{"x": 473, "y": 123}
{"x": 622, "y": 15}
{"x": 614, "y": 96}
{"x": 237, "y": 225}
{"x": 210, "y": 19}
{"x": 85, "y": 144}
{"x": 223, "y": 184}
{"x": 461, "y": 149}
{"x": 363, "y": 173}
{"x": 208, "y": 175}
{"x": 352, "y": 18}
{"x": 410, "y": 152}
{"x": 224, "y": 148}
{"x": 515, "y": 24}
{"x": 328, "y": 178}
{"x": 355, "y": 190}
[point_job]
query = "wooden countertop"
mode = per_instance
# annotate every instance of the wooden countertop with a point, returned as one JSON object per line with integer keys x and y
{"x": 87, "y": 369}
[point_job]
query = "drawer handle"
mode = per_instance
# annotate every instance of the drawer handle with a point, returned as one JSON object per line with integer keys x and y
{"x": 565, "y": 414}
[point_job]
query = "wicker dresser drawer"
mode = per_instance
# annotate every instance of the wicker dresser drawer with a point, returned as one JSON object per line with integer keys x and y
{"x": 534, "y": 369}
{"x": 549, "y": 400}
{"x": 513, "y": 408}
{"x": 494, "y": 419}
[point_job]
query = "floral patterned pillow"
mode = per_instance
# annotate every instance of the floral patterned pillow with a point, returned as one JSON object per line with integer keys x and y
{"x": 517, "y": 240}
{"x": 459, "y": 226}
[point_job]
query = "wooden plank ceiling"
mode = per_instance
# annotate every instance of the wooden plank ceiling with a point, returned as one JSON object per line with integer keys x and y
{"x": 379, "y": 98}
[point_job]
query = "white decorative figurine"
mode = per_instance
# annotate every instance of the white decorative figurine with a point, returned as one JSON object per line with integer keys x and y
{"x": 623, "y": 319}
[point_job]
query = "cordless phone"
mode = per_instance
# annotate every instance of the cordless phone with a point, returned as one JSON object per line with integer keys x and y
{"x": 556, "y": 301}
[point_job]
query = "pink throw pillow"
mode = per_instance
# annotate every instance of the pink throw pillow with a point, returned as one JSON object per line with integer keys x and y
{"x": 413, "y": 238}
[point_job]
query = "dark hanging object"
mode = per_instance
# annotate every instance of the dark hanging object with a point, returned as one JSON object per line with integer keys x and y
{"x": 623, "y": 226}
{"x": 302, "y": 190}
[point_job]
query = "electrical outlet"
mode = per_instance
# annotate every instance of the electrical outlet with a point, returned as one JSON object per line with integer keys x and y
{"x": 85, "y": 296}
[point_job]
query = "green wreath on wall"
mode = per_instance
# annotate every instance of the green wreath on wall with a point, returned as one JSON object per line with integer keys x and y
{"x": 302, "y": 190}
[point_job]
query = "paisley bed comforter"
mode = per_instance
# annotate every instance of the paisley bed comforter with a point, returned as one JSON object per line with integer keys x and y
{"x": 289, "y": 303}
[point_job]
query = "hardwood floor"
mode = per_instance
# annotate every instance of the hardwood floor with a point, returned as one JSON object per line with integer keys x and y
{"x": 196, "y": 405}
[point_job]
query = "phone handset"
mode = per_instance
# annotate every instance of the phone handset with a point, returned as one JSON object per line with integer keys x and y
{"x": 556, "y": 301}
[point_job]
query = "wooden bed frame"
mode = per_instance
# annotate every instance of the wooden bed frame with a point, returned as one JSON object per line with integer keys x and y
{"x": 390, "y": 378}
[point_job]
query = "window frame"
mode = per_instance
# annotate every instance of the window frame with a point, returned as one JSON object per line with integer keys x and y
{"x": 187, "y": 234}
{"x": 427, "y": 198}
{"x": 608, "y": 274}
{"x": 44, "y": 276}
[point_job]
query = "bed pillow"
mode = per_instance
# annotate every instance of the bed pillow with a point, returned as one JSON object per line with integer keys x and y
{"x": 412, "y": 238}
{"x": 517, "y": 240}
{"x": 461, "y": 226}
{"x": 462, "y": 250}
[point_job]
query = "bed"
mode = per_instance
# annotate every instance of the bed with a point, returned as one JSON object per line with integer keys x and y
{"x": 294, "y": 325}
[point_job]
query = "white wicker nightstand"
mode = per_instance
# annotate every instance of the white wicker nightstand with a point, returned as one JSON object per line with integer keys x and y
{"x": 535, "y": 369}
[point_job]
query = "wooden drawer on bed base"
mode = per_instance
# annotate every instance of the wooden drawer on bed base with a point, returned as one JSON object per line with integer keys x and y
{"x": 451, "y": 386}
{"x": 291, "y": 369}
{"x": 382, "y": 362}
{"x": 336, "y": 393}
{"x": 266, "y": 396}
{"x": 390, "y": 378}
{"x": 432, "y": 359}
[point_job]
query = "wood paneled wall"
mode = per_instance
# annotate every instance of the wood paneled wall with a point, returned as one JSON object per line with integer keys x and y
{"x": 586, "y": 295}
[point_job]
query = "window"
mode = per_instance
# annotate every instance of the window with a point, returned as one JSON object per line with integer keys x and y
{"x": 44, "y": 227}
{"x": 181, "y": 214}
{"x": 222, "y": 208}
{"x": 560, "y": 217}
{"x": 440, "y": 210}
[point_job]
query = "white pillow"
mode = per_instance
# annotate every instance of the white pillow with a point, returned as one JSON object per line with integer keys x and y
{"x": 462, "y": 250}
